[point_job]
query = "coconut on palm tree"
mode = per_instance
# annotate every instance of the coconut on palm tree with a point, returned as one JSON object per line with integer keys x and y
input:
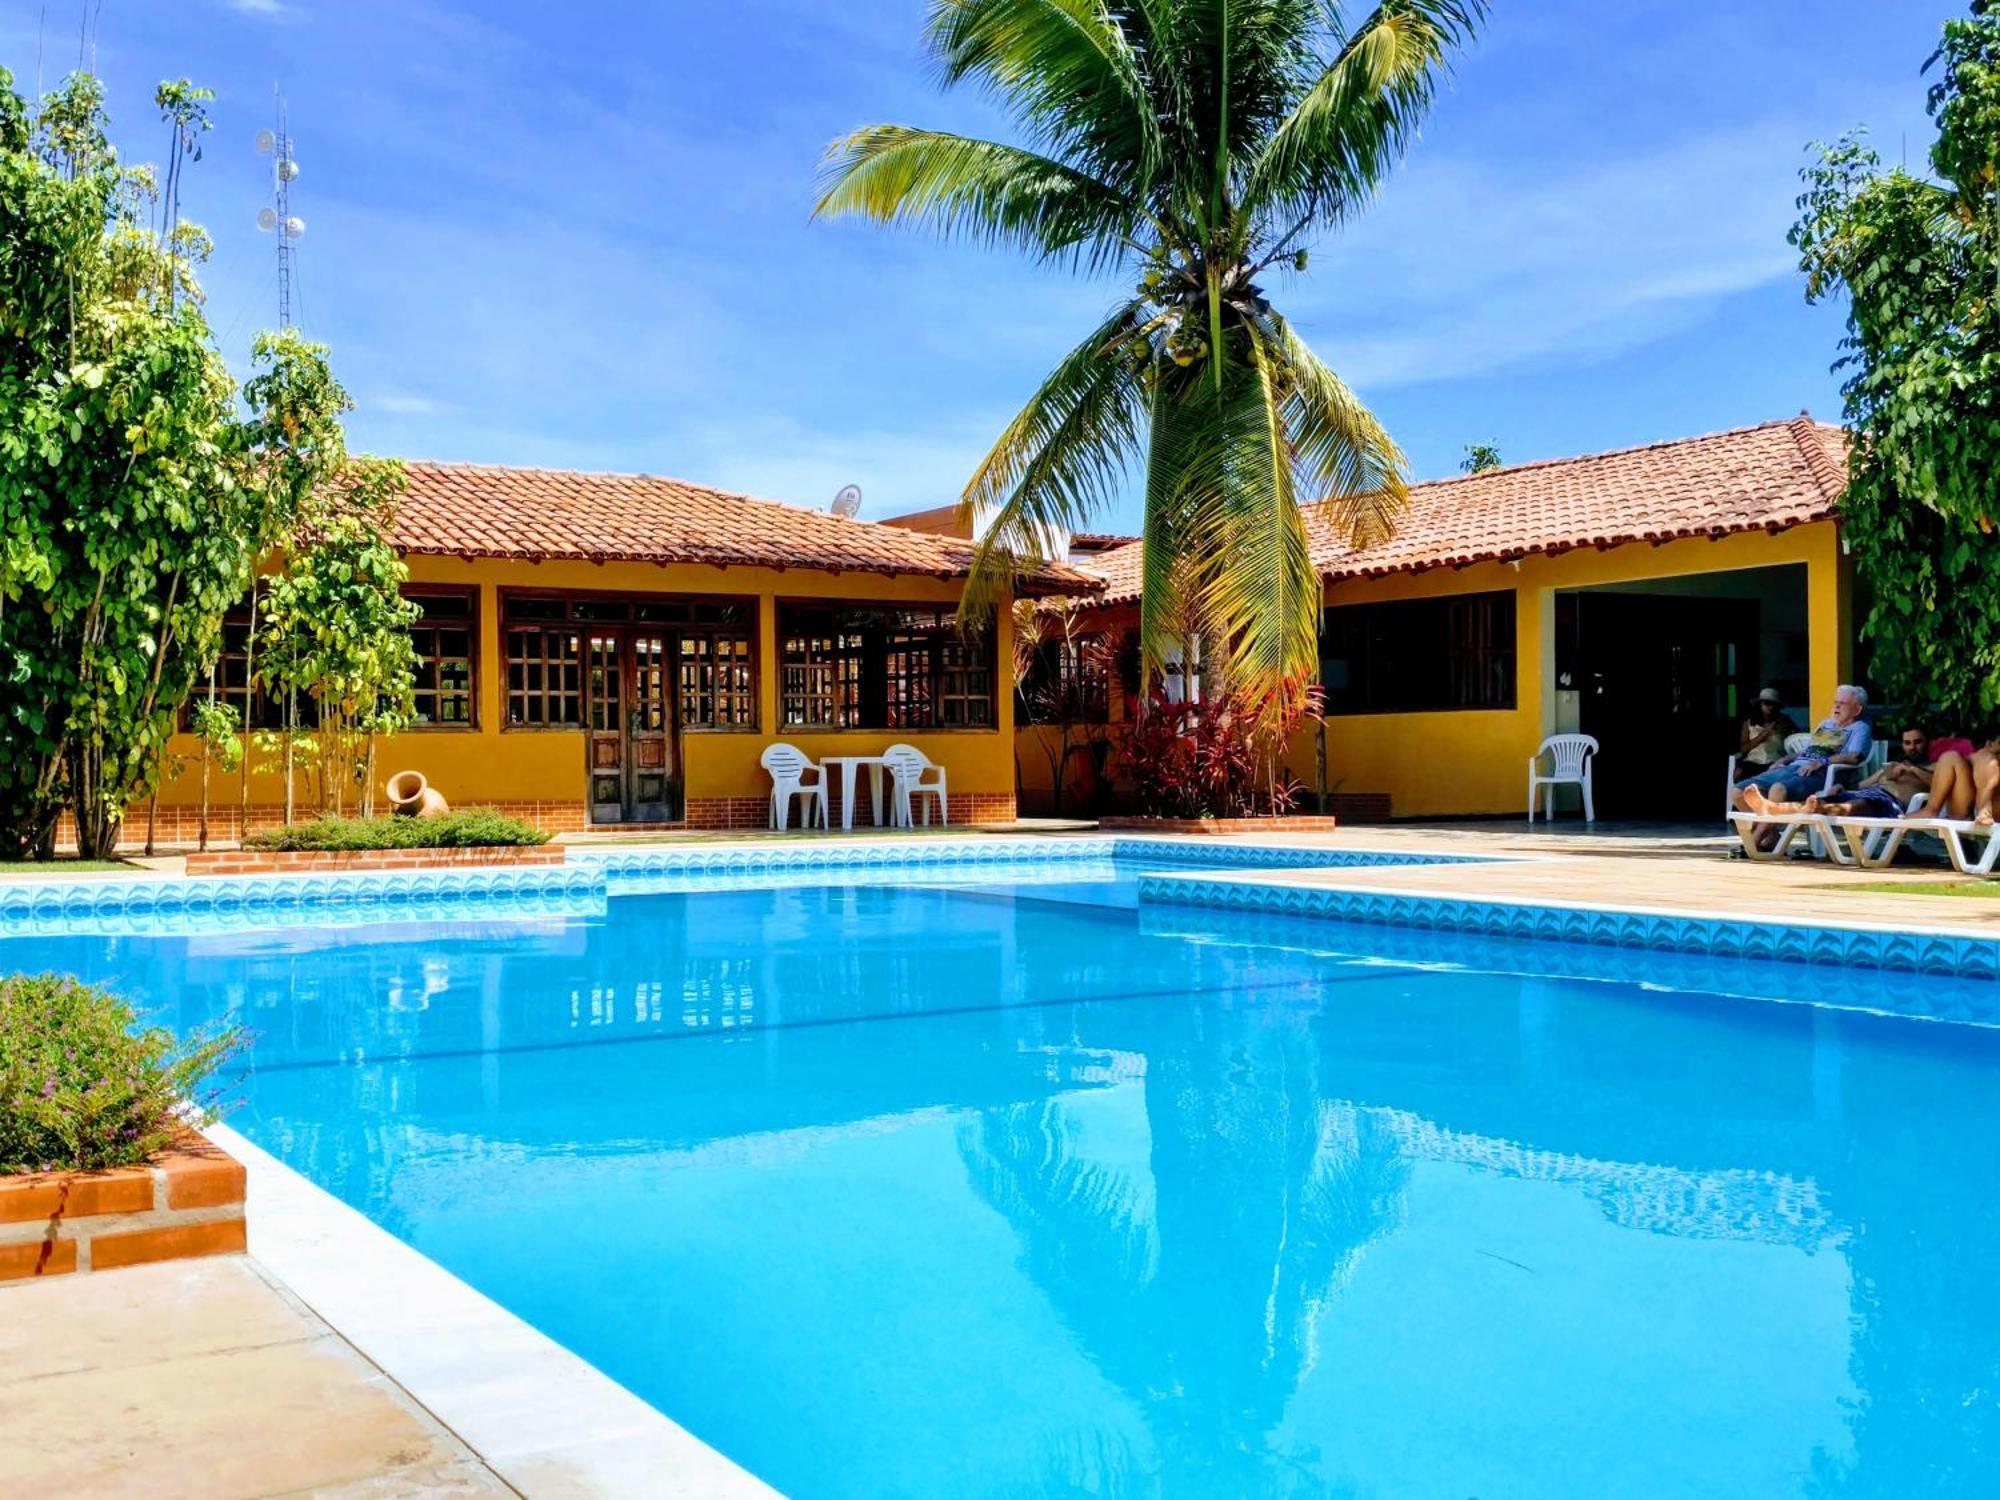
{"x": 1196, "y": 147}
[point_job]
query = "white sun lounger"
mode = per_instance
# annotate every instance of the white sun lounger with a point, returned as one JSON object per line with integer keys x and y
{"x": 1873, "y": 842}
{"x": 1818, "y": 828}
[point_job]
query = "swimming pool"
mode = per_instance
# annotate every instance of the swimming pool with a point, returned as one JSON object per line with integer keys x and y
{"x": 978, "y": 1182}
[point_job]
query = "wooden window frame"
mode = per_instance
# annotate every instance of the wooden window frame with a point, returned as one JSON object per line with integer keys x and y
{"x": 750, "y": 630}
{"x": 857, "y": 658}
{"x": 1396, "y": 617}
{"x": 470, "y": 593}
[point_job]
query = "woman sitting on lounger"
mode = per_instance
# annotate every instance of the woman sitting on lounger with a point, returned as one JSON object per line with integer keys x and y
{"x": 1967, "y": 787}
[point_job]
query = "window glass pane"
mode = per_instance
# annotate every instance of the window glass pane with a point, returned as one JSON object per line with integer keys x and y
{"x": 1420, "y": 655}
{"x": 883, "y": 667}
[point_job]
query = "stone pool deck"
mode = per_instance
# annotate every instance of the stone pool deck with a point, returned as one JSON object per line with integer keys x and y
{"x": 206, "y": 1379}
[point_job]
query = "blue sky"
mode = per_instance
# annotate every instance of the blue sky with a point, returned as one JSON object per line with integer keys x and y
{"x": 577, "y": 234}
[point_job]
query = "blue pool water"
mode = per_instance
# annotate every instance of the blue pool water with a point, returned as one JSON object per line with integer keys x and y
{"x": 996, "y": 1185}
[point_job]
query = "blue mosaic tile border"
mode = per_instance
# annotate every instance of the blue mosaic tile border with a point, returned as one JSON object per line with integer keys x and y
{"x": 919, "y": 855}
{"x": 1847, "y": 947}
{"x": 157, "y": 906}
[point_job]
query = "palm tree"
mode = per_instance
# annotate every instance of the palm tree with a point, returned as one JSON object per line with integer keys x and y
{"x": 1192, "y": 145}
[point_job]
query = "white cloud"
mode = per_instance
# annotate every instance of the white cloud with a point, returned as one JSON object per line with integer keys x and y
{"x": 259, "y": 7}
{"x": 406, "y": 404}
{"x": 1467, "y": 270}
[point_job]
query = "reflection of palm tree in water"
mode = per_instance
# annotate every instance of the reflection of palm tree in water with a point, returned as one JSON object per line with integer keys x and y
{"x": 1197, "y": 1292}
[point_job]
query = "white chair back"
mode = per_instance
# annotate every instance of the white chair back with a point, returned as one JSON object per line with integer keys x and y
{"x": 906, "y": 759}
{"x": 1566, "y": 753}
{"x": 1797, "y": 744}
{"x": 783, "y": 761}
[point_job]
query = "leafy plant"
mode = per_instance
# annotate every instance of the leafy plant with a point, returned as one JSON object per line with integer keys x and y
{"x": 470, "y": 828}
{"x": 1919, "y": 261}
{"x": 1211, "y": 758}
{"x": 1063, "y": 688}
{"x": 218, "y": 726}
{"x": 1196, "y": 146}
{"x": 1479, "y": 458}
{"x": 136, "y": 499}
{"x": 83, "y": 1085}
{"x": 340, "y": 635}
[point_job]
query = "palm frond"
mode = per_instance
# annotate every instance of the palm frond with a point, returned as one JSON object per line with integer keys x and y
{"x": 1353, "y": 470}
{"x": 1324, "y": 161}
{"x": 1060, "y": 461}
{"x": 1068, "y": 71}
{"x": 955, "y": 184}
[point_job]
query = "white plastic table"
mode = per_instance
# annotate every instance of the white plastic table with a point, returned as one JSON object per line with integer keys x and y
{"x": 849, "y": 765}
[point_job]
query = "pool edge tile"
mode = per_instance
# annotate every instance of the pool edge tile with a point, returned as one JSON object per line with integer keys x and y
{"x": 388, "y": 1300}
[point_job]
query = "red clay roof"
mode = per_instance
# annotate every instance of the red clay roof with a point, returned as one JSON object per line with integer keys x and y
{"x": 538, "y": 515}
{"x": 1764, "y": 478}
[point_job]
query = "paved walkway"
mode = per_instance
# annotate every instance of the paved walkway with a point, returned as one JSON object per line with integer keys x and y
{"x": 1643, "y": 868}
{"x": 204, "y": 1379}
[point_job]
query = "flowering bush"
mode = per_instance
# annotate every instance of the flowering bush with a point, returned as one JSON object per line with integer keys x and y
{"x": 1213, "y": 759}
{"x": 83, "y": 1085}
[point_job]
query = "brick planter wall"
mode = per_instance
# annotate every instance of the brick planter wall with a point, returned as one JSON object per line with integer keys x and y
{"x": 180, "y": 827}
{"x": 187, "y": 1202}
{"x": 1313, "y": 824}
{"x": 337, "y": 861}
{"x": 755, "y": 812}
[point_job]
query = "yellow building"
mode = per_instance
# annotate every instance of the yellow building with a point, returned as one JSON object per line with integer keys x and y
{"x": 1642, "y": 596}
{"x": 605, "y": 650}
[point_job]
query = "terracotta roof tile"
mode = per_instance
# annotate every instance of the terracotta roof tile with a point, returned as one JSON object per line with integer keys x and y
{"x": 538, "y": 515}
{"x": 1764, "y": 478}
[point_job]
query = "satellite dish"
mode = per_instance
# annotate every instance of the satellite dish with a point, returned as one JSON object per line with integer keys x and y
{"x": 848, "y": 501}
{"x": 294, "y": 227}
{"x": 288, "y": 168}
{"x": 266, "y": 141}
{"x": 267, "y": 218}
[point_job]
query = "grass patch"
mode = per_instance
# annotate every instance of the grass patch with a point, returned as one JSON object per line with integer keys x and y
{"x": 83, "y": 1085}
{"x": 1971, "y": 886}
{"x": 473, "y": 828}
{"x": 60, "y": 866}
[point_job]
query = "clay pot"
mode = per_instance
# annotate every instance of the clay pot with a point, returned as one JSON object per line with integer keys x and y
{"x": 413, "y": 797}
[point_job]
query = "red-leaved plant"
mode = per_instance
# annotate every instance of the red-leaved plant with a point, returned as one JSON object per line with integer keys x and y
{"x": 1218, "y": 758}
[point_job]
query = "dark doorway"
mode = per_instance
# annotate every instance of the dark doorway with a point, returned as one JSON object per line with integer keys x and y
{"x": 1662, "y": 682}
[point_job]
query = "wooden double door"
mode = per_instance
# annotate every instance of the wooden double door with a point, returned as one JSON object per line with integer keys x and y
{"x": 633, "y": 719}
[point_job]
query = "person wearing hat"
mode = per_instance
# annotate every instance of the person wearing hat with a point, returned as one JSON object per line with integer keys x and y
{"x": 1762, "y": 741}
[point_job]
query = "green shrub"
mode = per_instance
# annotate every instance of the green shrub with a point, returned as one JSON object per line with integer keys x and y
{"x": 474, "y": 828}
{"x": 83, "y": 1085}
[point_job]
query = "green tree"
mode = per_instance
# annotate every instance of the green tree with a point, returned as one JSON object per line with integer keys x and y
{"x": 1194, "y": 146}
{"x": 299, "y": 452}
{"x": 1479, "y": 457}
{"x": 122, "y": 509}
{"x": 340, "y": 636}
{"x": 1919, "y": 261}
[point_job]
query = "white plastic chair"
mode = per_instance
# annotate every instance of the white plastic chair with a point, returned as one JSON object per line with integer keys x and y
{"x": 793, "y": 776}
{"x": 1570, "y": 757}
{"x": 917, "y": 776}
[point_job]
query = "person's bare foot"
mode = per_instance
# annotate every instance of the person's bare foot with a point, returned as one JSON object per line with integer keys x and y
{"x": 1983, "y": 818}
{"x": 1812, "y": 803}
{"x": 1752, "y": 798}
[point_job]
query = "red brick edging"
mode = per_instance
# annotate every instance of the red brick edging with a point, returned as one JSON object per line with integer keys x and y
{"x": 333, "y": 861}
{"x": 1219, "y": 825}
{"x": 187, "y": 1201}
